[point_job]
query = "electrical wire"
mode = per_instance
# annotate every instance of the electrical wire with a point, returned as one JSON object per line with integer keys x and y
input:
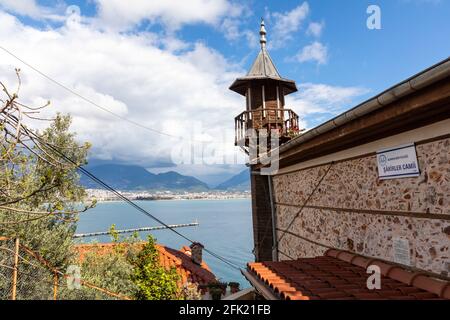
{"x": 306, "y": 201}
{"x": 130, "y": 202}
{"x": 66, "y": 88}
{"x": 93, "y": 177}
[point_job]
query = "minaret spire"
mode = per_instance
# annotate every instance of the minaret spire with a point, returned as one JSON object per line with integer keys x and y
{"x": 263, "y": 68}
{"x": 262, "y": 33}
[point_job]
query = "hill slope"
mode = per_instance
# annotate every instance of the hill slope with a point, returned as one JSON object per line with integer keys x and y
{"x": 239, "y": 182}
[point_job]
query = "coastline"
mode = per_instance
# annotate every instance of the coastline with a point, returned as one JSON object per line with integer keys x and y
{"x": 103, "y": 196}
{"x": 163, "y": 200}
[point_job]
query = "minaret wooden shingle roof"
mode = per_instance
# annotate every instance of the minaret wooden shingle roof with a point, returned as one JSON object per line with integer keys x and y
{"x": 262, "y": 68}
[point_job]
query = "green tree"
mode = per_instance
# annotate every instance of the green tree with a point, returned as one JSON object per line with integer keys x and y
{"x": 46, "y": 220}
{"x": 40, "y": 199}
{"x": 40, "y": 194}
{"x": 131, "y": 269}
{"x": 109, "y": 270}
{"x": 153, "y": 281}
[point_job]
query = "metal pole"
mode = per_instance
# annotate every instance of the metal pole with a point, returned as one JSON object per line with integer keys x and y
{"x": 274, "y": 221}
{"x": 16, "y": 265}
{"x": 55, "y": 286}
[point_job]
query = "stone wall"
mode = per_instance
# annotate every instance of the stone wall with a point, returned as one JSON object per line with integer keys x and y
{"x": 353, "y": 210}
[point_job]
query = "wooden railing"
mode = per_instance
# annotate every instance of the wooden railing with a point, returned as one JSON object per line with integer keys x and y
{"x": 285, "y": 121}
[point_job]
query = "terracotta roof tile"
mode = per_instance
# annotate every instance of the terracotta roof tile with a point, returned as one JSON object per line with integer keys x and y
{"x": 341, "y": 275}
{"x": 180, "y": 259}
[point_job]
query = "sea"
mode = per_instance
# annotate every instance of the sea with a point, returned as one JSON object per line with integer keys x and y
{"x": 225, "y": 228}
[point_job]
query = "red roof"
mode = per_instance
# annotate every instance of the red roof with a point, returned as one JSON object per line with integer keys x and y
{"x": 181, "y": 260}
{"x": 187, "y": 269}
{"x": 343, "y": 275}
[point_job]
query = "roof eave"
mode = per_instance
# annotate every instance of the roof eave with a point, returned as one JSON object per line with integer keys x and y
{"x": 259, "y": 286}
{"x": 240, "y": 84}
{"x": 419, "y": 81}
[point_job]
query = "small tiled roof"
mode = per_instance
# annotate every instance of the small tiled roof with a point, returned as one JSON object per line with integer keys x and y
{"x": 342, "y": 275}
{"x": 187, "y": 269}
{"x": 180, "y": 259}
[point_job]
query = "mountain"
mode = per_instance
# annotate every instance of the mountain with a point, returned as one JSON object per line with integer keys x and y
{"x": 239, "y": 182}
{"x": 129, "y": 177}
{"x": 175, "y": 181}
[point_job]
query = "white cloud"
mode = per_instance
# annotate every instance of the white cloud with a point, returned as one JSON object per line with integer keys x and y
{"x": 252, "y": 39}
{"x": 315, "y": 29}
{"x": 130, "y": 74}
{"x": 162, "y": 82}
{"x": 234, "y": 27}
{"x": 32, "y": 9}
{"x": 313, "y": 52}
{"x": 233, "y": 32}
{"x": 24, "y": 7}
{"x": 287, "y": 23}
{"x": 316, "y": 98}
{"x": 123, "y": 15}
{"x": 230, "y": 28}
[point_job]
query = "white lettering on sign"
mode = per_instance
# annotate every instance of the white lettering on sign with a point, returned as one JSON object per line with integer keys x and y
{"x": 399, "y": 162}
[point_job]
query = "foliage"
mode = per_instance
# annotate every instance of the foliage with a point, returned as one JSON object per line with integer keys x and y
{"x": 217, "y": 284}
{"x": 234, "y": 287}
{"x": 216, "y": 293}
{"x": 294, "y": 132}
{"x": 39, "y": 191}
{"x": 190, "y": 291}
{"x": 128, "y": 269}
{"x": 40, "y": 198}
{"x": 46, "y": 221}
{"x": 40, "y": 194}
{"x": 110, "y": 270}
{"x": 153, "y": 281}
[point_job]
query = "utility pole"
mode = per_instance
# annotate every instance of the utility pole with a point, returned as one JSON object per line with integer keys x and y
{"x": 16, "y": 266}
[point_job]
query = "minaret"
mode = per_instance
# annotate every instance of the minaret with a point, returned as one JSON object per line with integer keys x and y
{"x": 264, "y": 90}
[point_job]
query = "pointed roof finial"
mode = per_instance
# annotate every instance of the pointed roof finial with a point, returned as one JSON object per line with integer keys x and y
{"x": 262, "y": 68}
{"x": 262, "y": 32}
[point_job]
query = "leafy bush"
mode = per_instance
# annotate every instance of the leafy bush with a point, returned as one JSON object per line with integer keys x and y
{"x": 153, "y": 281}
{"x": 190, "y": 291}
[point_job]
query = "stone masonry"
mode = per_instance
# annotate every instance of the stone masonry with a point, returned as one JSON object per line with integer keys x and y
{"x": 353, "y": 210}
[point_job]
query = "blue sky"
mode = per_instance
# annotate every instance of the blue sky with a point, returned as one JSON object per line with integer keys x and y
{"x": 414, "y": 35}
{"x": 134, "y": 56}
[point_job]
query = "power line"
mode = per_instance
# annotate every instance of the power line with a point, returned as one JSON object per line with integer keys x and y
{"x": 130, "y": 202}
{"x": 93, "y": 177}
{"x": 307, "y": 200}
{"x": 140, "y": 125}
{"x": 139, "y": 208}
{"x": 33, "y": 136}
{"x": 101, "y": 233}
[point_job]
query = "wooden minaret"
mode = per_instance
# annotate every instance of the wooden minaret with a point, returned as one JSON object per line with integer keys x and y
{"x": 264, "y": 90}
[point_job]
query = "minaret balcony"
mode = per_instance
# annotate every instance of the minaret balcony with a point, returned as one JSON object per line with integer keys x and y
{"x": 284, "y": 121}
